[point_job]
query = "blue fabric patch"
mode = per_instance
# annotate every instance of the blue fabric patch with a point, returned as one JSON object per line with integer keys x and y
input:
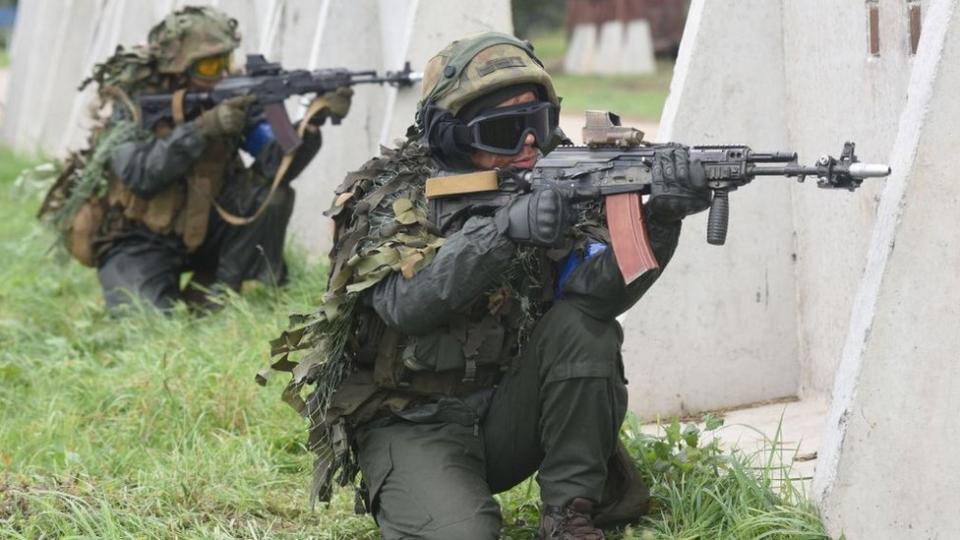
{"x": 573, "y": 260}
{"x": 257, "y": 137}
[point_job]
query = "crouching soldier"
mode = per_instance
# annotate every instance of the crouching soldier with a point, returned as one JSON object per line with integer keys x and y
{"x": 450, "y": 365}
{"x": 152, "y": 198}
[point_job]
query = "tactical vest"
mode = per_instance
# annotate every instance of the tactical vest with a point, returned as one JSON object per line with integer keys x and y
{"x": 360, "y": 369}
{"x": 468, "y": 352}
{"x": 182, "y": 208}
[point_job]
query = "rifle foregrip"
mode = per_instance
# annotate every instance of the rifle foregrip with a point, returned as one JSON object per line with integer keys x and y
{"x": 718, "y": 218}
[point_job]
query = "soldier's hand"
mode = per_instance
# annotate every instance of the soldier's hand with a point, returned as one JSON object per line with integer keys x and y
{"x": 338, "y": 105}
{"x": 538, "y": 219}
{"x": 227, "y": 118}
{"x": 679, "y": 186}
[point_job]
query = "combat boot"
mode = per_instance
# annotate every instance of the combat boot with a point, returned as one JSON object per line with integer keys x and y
{"x": 570, "y": 522}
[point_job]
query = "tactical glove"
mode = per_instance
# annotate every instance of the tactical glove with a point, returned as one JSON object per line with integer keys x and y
{"x": 227, "y": 118}
{"x": 338, "y": 105}
{"x": 537, "y": 219}
{"x": 679, "y": 186}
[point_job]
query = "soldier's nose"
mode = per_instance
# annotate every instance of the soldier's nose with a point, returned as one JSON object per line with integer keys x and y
{"x": 529, "y": 140}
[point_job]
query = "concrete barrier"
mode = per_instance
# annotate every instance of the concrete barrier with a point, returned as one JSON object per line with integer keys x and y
{"x": 56, "y": 43}
{"x": 886, "y": 463}
{"x": 578, "y": 59}
{"x": 637, "y": 57}
{"x": 719, "y": 328}
{"x": 610, "y": 51}
{"x": 619, "y": 49}
{"x": 863, "y": 295}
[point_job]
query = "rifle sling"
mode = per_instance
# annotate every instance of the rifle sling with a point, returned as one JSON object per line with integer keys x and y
{"x": 445, "y": 186}
{"x": 176, "y": 105}
{"x": 318, "y": 104}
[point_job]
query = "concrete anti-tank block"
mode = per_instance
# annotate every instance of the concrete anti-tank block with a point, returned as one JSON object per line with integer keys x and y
{"x": 581, "y": 50}
{"x": 610, "y": 48}
{"x": 719, "y": 327}
{"x": 887, "y": 461}
{"x": 637, "y": 55}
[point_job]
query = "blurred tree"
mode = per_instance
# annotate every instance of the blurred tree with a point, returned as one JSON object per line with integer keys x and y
{"x": 537, "y": 16}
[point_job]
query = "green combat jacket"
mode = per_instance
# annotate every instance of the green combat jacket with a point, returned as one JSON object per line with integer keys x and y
{"x": 412, "y": 319}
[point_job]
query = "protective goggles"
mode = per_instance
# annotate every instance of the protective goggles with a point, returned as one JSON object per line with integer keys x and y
{"x": 503, "y": 130}
{"x": 211, "y": 67}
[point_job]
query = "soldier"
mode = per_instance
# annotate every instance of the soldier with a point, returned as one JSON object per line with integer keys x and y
{"x": 177, "y": 196}
{"x": 470, "y": 361}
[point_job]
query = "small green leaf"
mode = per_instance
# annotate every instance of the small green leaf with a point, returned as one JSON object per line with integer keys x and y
{"x": 673, "y": 432}
{"x": 712, "y": 422}
{"x": 691, "y": 435}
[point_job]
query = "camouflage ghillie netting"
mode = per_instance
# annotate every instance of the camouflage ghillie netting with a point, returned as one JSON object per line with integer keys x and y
{"x": 381, "y": 227}
{"x": 81, "y": 177}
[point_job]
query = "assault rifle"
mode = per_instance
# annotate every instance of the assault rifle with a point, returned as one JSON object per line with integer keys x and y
{"x": 272, "y": 85}
{"x": 616, "y": 164}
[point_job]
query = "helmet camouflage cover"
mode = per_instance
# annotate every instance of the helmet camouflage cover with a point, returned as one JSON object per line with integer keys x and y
{"x": 478, "y": 65}
{"x": 192, "y": 33}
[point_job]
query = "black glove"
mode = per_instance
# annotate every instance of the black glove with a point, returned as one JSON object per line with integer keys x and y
{"x": 537, "y": 219}
{"x": 679, "y": 185}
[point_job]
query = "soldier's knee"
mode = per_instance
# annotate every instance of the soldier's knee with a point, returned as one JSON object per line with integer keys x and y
{"x": 482, "y": 526}
{"x": 573, "y": 344}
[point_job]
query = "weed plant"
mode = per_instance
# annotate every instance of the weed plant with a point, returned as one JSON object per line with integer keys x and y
{"x": 151, "y": 426}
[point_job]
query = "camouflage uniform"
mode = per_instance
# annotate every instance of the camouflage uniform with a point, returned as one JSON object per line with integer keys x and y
{"x": 447, "y": 365}
{"x": 156, "y": 215}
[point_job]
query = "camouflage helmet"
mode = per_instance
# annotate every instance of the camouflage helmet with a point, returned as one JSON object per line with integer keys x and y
{"x": 192, "y": 33}
{"x": 478, "y": 65}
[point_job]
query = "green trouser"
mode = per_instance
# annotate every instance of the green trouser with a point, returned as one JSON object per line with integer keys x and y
{"x": 556, "y": 412}
{"x": 147, "y": 266}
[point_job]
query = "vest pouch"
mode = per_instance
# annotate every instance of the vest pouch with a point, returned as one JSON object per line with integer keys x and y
{"x": 462, "y": 348}
{"x": 84, "y": 228}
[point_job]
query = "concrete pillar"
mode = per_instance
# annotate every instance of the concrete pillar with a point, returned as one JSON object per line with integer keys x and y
{"x": 610, "y": 48}
{"x": 886, "y": 467}
{"x": 837, "y": 92}
{"x": 347, "y": 146}
{"x": 719, "y": 328}
{"x": 637, "y": 56}
{"x": 581, "y": 50}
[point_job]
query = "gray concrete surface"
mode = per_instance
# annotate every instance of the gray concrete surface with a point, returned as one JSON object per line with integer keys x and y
{"x": 639, "y": 42}
{"x": 888, "y": 467}
{"x": 836, "y": 93}
{"x": 734, "y": 306}
{"x": 4, "y": 80}
{"x": 581, "y": 50}
{"x": 872, "y": 313}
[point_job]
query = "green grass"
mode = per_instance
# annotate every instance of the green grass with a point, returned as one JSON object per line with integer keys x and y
{"x": 639, "y": 97}
{"x": 152, "y": 426}
{"x": 4, "y": 58}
